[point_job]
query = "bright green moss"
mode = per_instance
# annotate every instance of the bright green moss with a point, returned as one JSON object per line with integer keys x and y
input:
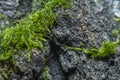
{"x": 26, "y": 35}
{"x": 117, "y": 19}
{"x": 106, "y": 50}
{"x": 30, "y": 32}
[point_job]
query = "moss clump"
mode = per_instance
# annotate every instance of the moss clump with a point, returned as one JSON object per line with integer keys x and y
{"x": 30, "y": 32}
{"x": 46, "y": 73}
{"x": 117, "y": 19}
{"x": 106, "y": 50}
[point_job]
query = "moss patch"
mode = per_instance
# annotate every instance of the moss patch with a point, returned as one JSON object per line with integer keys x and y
{"x": 107, "y": 49}
{"x": 29, "y": 32}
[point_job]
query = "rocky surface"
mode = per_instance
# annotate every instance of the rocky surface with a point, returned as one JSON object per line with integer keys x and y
{"x": 14, "y": 8}
{"x": 83, "y": 25}
{"x": 86, "y": 24}
{"x": 29, "y": 70}
{"x": 10, "y": 10}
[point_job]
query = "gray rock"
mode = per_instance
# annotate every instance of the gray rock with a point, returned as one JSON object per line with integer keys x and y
{"x": 11, "y": 10}
{"x": 83, "y": 26}
{"x": 15, "y": 8}
{"x": 29, "y": 70}
{"x": 55, "y": 70}
{"x": 69, "y": 60}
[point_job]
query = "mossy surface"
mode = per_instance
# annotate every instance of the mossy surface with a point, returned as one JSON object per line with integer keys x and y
{"x": 30, "y": 32}
{"x": 107, "y": 49}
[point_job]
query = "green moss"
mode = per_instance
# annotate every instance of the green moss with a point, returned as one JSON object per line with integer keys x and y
{"x": 30, "y": 32}
{"x": 106, "y": 50}
{"x": 2, "y": 16}
{"x": 117, "y": 19}
{"x": 46, "y": 73}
